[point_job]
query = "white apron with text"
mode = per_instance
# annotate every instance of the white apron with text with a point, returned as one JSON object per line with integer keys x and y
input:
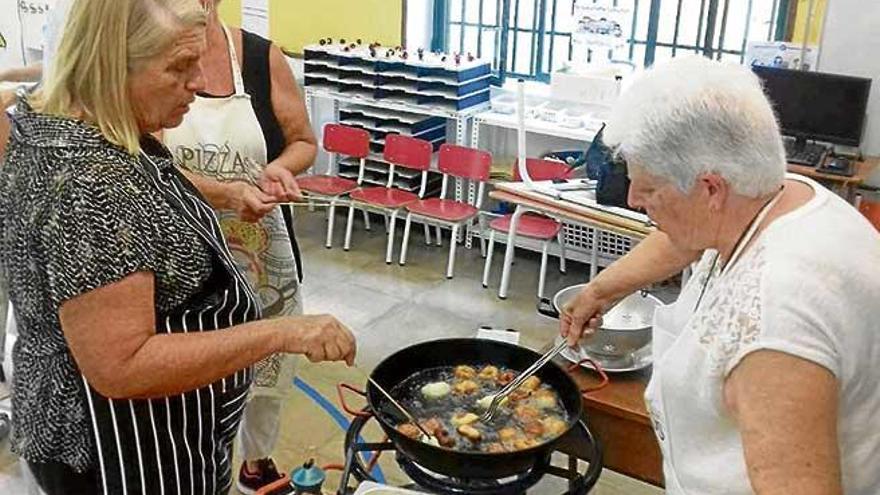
{"x": 221, "y": 138}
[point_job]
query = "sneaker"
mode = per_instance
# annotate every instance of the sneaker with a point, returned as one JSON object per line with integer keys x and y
{"x": 249, "y": 482}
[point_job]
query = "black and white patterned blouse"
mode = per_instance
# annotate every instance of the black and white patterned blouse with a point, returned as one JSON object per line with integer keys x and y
{"x": 78, "y": 213}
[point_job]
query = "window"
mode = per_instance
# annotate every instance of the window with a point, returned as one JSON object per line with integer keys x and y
{"x": 532, "y": 38}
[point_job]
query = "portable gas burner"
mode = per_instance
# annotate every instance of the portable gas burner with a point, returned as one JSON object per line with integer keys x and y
{"x": 427, "y": 481}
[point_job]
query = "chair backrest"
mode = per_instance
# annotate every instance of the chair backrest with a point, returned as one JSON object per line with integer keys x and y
{"x": 408, "y": 152}
{"x": 467, "y": 163}
{"x": 540, "y": 169}
{"x": 345, "y": 140}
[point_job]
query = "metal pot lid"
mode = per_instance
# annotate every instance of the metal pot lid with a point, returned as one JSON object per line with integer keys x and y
{"x": 634, "y": 312}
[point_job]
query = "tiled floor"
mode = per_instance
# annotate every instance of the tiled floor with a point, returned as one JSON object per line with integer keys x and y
{"x": 390, "y": 307}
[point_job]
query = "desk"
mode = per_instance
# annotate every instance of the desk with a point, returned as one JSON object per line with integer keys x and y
{"x": 530, "y": 201}
{"x": 845, "y": 186}
{"x": 617, "y": 416}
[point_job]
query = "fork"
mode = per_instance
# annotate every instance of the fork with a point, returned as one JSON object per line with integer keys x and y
{"x": 498, "y": 398}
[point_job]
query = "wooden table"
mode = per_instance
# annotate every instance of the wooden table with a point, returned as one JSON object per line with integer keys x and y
{"x": 618, "y": 417}
{"x": 845, "y": 186}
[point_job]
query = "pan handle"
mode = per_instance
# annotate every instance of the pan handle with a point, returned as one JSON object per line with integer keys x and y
{"x": 340, "y": 390}
{"x": 547, "y": 308}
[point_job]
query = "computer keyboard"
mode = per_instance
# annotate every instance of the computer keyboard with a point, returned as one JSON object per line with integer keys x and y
{"x": 810, "y": 154}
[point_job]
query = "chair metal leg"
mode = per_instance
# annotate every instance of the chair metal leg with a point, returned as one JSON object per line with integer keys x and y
{"x": 367, "y": 220}
{"x": 508, "y": 253}
{"x": 542, "y": 277}
{"x": 594, "y": 255}
{"x": 439, "y": 237}
{"x": 348, "y": 225}
{"x": 453, "y": 243}
{"x": 487, "y": 265}
{"x": 560, "y": 238}
{"x": 386, "y": 223}
{"x": 482, "y": 245}
{"x": 389, "y": 250}
{"x": 405, "y": 244}
{"x": 331, "y": 219}
{"x": 427, "y": 235}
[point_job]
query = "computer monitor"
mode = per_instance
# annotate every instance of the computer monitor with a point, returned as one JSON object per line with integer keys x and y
{"x": 817, "y": 106}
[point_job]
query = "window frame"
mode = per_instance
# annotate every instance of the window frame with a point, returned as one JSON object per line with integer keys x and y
{"x": 710, "y": 10}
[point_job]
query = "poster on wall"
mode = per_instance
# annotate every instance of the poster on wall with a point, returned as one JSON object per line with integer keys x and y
{"x": 781, "y": 55}
{"x": 10, "y": 36}
{"x": 602, "y": 24}
{"x": 33, "y": 15}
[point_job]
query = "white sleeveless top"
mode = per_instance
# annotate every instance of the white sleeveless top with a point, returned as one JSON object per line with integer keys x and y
{"x": 809, "y": 286}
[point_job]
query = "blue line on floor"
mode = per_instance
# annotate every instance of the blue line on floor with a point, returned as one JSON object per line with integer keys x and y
{"x": 337, "y": 416}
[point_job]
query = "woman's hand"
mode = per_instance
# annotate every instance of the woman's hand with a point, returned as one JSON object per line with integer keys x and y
{"x": 582, "y": 316}
{"x": 319, "y": 338}
{"x": 278, "y": 181}
{"x": 249, "y": 202}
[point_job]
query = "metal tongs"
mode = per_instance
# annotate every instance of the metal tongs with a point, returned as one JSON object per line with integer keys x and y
{"x": 402, "y": 409}
{"x": 498, "y": 398}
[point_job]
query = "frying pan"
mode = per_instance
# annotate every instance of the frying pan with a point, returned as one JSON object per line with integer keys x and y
{"x": 476, "y": 352}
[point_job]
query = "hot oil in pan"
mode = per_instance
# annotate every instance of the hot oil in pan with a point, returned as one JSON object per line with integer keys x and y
{"x": 517, "y": 415}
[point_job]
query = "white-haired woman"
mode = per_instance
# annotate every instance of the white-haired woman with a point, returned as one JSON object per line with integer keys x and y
{"x": 765, "y": 369}
{"x": 137, "y": 332}
{"x": 250, "y": 124}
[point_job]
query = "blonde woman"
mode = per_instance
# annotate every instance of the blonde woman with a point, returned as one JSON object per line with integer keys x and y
{"x": 137, "y": 332}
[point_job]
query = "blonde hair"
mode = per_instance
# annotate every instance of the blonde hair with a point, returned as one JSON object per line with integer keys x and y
{"x": 104, "y": 42}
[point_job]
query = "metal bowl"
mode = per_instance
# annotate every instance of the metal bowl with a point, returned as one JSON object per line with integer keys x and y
{"x": 625, "y": 329}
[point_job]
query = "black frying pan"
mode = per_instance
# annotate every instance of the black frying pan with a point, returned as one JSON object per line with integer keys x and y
{"x": 453, "y": 352}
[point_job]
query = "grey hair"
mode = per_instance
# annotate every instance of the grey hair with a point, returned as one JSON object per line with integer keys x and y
{"x": 691, "y": 116}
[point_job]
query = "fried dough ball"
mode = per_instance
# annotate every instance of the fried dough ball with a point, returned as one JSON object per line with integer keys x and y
{"x": 506, "y": 377}
{"x": 519, "y": 394}
{"x": 410, "y": 430}
{"x": 432, "y": 425}
{"x": 495, "y": 448}
{"x": 489, "y": 373}
{"x": 444, "y": 438}
{"x": 532, "y": 383}
{"x": 436, "y": 390}
{"x": 507, "y": 434}
{"x": 459, "y": 419}
{"x": 470, "y": 433}
{"x": 533, "y": 429}
{"x": 464, "y": 372}
{"x": 544, "y": 399}
{"x": 553, "y": 426}
{"x": 526, "y": 413}
{"x": 523, "y": 443}
{"x": 465, "y": 387}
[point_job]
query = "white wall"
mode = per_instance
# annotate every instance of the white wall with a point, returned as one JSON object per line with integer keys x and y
{"x": 419, "y": 25}
{"x": 851, "y": 45}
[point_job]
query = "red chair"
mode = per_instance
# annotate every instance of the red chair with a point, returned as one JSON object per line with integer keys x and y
{"x": 531, "y": 225}
{"x": 338, "y": 140}
{"x": 454, "y": 162}
{"x": 400, "y": 151}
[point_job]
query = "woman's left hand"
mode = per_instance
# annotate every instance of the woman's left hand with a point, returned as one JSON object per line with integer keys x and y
{"x": 277, "y": 181}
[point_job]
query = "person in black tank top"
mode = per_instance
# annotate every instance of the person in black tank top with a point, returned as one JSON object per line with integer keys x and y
{"x": 256, "y": 69}
{"x": 290, "y": 150}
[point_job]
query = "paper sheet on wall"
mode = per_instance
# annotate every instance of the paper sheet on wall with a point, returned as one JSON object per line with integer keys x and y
{"x": 255, "y": 16}
{"x": 782, "y": 55}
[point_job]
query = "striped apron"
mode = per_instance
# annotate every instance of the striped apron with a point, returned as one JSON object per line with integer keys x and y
{"x": 180, "y": 445}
